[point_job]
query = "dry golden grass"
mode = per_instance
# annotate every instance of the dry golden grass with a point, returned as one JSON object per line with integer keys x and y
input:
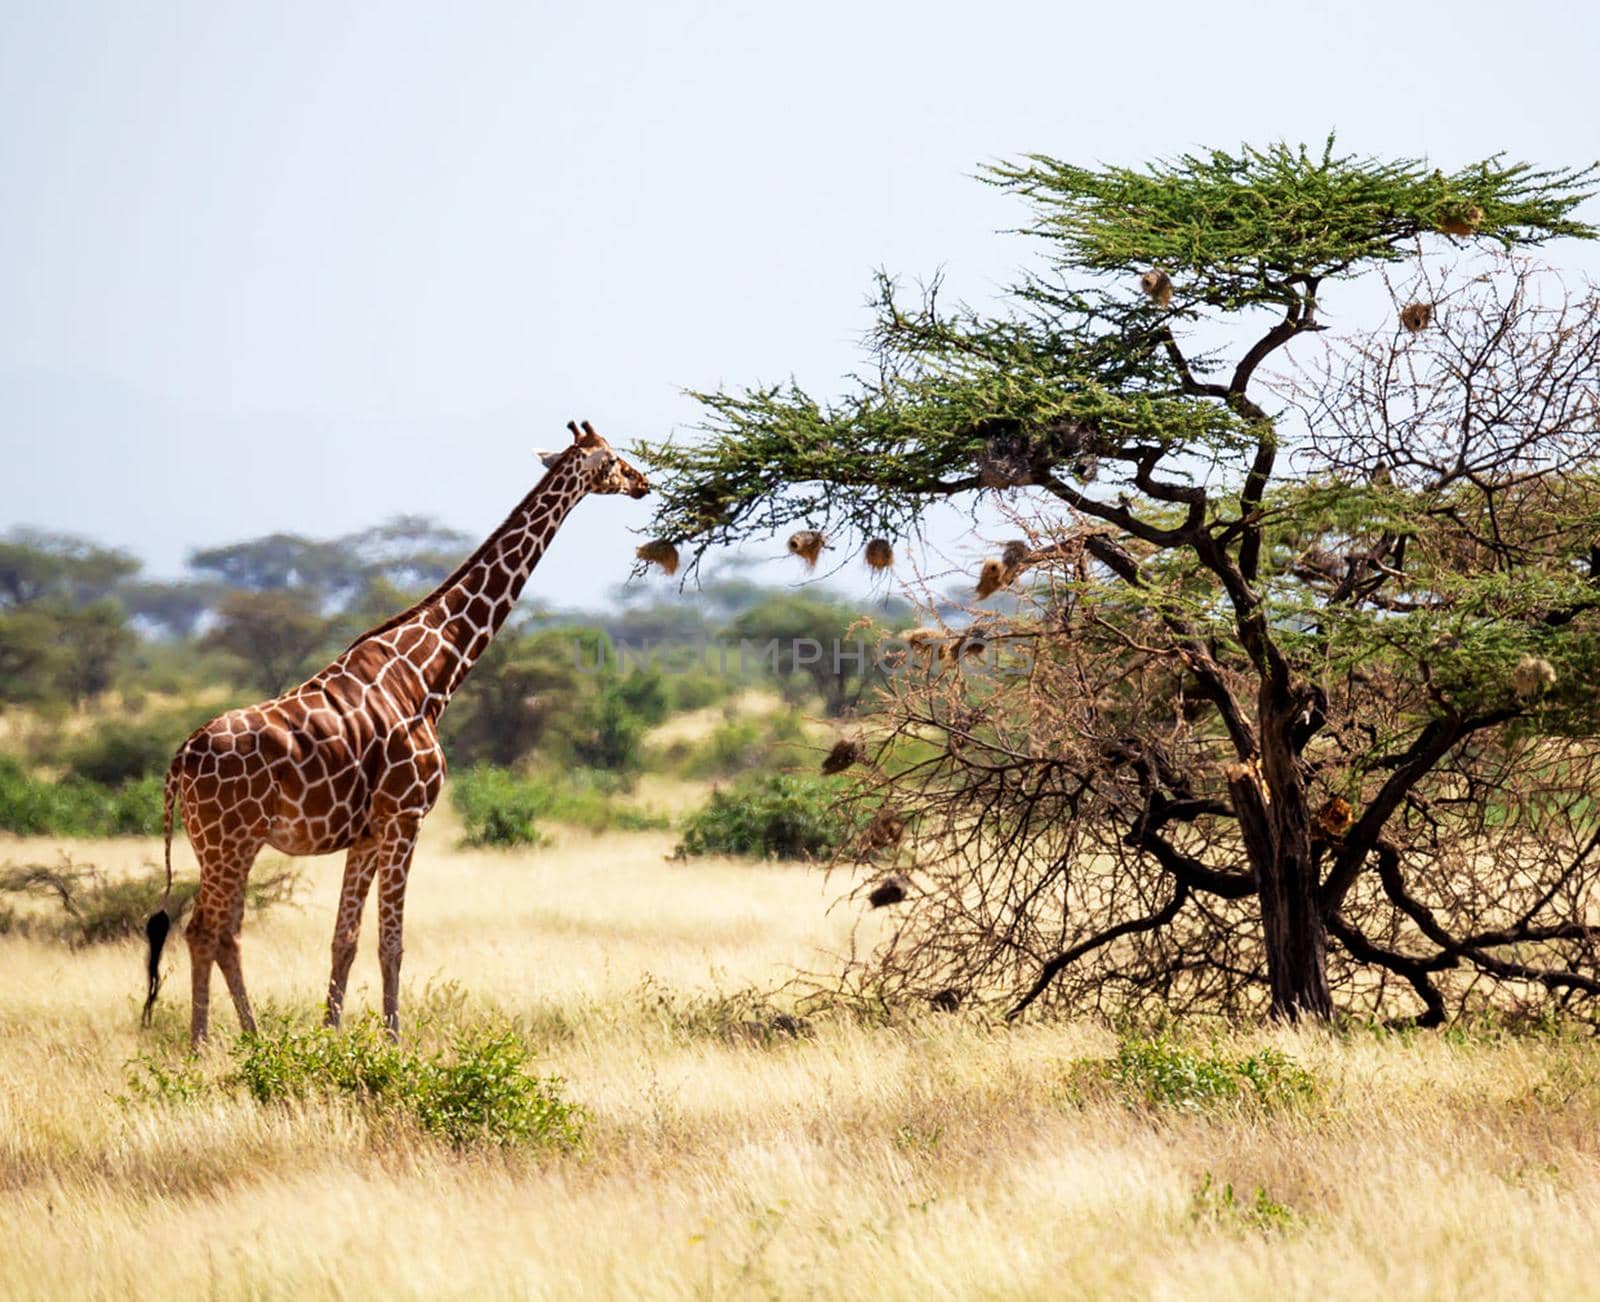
{"x": 937, "y": 1158}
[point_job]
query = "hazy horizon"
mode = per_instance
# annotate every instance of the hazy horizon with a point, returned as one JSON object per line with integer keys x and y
{"x": 287, "y": 268}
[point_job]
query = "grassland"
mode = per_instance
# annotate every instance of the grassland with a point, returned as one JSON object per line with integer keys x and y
{"x": 934, "y": 1157}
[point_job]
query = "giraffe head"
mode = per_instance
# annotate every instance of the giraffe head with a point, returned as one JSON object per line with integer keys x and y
{"x": 604, "y": 471}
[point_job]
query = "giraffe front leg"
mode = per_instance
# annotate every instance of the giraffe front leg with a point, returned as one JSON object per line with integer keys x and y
{"x": 360, "y": 866}
{"x": 394, "y": 868}
{"x": 213, "y": 934}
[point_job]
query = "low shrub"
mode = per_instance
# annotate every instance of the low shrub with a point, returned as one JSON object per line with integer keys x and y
{"x": 498, "y": 808}
{"x": 696, "y": 689}
{"x": 741, "y": 744}
{"x": 477, "y": 1090}
{"x": 118, "y": 751}
{"x": 502, "y": 808}
{"x": 1164, "y": 1074}
{"x": 1219, "y": 1206}
{"x": 95, "y": 908}
{"x": 772, "y": 816}
{"x": 32, "y": 806}
{"x": 746, "y": 1015}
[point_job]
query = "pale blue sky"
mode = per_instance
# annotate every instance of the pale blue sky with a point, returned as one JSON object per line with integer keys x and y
{"x": 302, "y": 267}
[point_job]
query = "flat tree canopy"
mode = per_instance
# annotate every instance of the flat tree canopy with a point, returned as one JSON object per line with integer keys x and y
{"x": 1295, "y": 709}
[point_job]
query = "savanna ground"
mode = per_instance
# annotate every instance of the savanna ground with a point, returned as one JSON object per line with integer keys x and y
{"x": 934, "y": 1156}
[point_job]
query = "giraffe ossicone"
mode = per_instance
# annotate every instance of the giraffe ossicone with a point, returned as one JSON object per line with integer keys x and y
{"x": 350, "y": 759}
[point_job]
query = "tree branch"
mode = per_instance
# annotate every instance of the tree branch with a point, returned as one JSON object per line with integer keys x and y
{"x": 1054, "y": 967}
{"x": 1413, "y": 970}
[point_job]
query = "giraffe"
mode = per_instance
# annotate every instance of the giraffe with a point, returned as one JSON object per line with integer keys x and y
{"x": 350, "y": 759}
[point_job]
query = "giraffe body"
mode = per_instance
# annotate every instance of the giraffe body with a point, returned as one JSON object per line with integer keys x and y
{"x": 350, "y": 759}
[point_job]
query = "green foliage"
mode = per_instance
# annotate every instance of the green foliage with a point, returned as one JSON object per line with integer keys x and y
{"x": 1233, "y": 228}
{"x": 32, "y": 655}
{"x": 37, "y": 566}
{"x": 31, "y": 806}
{"x": 52, "y": 652}
{"x": 523, "y": 690}
{"x": 776, "y": 457}
{"x": 615, "y": 719}
{"x": 152, "y": 1080}
{"x": 183, "y": 669}
{"x": 739, "y": 744}
{"x": 175, "y": 608}
{"x": 1074, "y": 373}
{"x": 477, "y": 1091}
{"x": 1162, "y": 1073}
{"x": 61, "y": 634}
{"x": 1219, "y": 1206}
{"x": 695, "y": 690}
{"x": 1396, "y": 590}
{"x": 816, "y": 644}
{"x": 771, "y": 816}
{"x": 121, "y": 750}
{"x": 501, "y": 808}
{"x": 559, "y": 691}
{"x": 405, "y": 552}
{"x": 275, "y": 635}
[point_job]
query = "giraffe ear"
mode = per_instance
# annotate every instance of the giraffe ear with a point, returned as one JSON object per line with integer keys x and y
{"x": 594, "y": 460}
{"x": 548, "y": 458}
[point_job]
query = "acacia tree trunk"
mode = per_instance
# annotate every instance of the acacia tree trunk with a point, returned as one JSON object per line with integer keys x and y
{"x": 1276, "y": 824}
{"x": 1296, "y": 940}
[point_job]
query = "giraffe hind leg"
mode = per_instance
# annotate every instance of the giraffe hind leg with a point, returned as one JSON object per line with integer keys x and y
{"x": 213, "y": 935}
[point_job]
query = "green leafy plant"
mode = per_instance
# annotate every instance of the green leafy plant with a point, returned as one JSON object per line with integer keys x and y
{"x": 501, "y": 808}
{"x": 153, "y": 1080}
{"x": 1218, "y": 1205}
{"x": 477, "y": 1090}
{"x": 119, "y": 751}
{"x": 1162, "y": 1073}
{"x": 498, "y": 808}
{"x": 740, "y": 743}
{"x": 770, "y": 816}
{"x": 34, "y": 806}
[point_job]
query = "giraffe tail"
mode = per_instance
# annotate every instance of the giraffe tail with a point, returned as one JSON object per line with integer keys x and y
{"x": 159, "y": 923}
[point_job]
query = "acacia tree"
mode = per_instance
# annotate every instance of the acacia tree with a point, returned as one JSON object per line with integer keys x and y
{"x": 1292, "y": 717}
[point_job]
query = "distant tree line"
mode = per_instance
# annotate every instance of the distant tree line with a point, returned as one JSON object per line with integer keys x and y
{"x": 78, "y": 619}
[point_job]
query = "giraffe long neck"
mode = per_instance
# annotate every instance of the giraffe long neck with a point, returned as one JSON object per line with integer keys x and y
{"x": 442, "y": 636}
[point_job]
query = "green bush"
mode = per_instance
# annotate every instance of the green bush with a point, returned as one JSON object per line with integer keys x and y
{"x": 479, "y": 1090}
{"x": 31, "y": 806}
{"x": 1161, "y": 1073}
{"x": 498, "y": 808}
{"x": 613, "y": 722}
{"x": 119, "y": 751}
{"x": 740, "y": 744}
{"x": 773, "y": 816}
{"x": 695, "y": 689}
{"x": 501, "y": 808}
{"x": 1219, "y": 1205}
